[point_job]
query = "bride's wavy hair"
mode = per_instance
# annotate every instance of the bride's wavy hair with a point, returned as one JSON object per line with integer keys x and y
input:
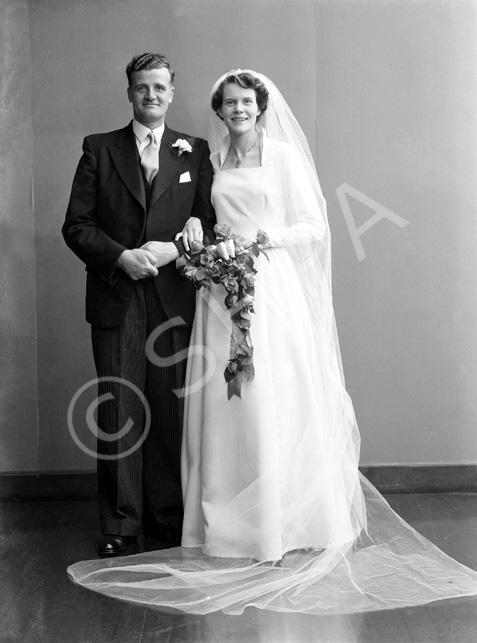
{"x": 247, "y": 81}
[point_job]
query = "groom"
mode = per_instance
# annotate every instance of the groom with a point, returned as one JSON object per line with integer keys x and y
{"x": 133, "y": 191}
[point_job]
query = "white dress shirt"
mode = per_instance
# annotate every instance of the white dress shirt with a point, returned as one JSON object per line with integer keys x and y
{"x": 141, "y": 132}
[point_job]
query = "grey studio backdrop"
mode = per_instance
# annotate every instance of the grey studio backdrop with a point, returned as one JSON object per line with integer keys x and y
{"x": 385, "y": 91}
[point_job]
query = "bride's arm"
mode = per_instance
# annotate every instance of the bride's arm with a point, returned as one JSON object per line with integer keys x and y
{"x": 192, "y": 231}
{"x": 305, "y": 209}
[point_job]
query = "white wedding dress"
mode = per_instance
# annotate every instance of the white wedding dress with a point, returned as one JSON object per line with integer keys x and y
{"x": 276, "y": 513}
{"x": 259, "y": 477}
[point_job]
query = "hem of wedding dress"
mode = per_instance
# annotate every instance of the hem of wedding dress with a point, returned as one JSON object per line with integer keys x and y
{"x": 253, "y": 559}
{"x": 203, "y": 549}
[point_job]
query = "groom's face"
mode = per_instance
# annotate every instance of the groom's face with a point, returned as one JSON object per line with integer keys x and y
{"x": 150, "y": 93}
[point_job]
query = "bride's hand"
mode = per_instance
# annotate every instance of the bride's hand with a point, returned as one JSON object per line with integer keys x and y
{"x": 192, "y": 232}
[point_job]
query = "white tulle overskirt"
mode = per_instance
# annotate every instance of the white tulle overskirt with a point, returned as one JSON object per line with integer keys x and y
{"x": 390, "y": 567}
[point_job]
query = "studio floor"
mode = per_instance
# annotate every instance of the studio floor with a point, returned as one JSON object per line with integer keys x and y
{"x": 40, "y": 605}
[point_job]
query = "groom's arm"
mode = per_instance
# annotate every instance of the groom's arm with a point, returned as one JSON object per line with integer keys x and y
{"x": 81, "y": 229}
{"x": 201, "y": 222}
{"x": 202, "y": 206}
{"x": 166, "y": 252}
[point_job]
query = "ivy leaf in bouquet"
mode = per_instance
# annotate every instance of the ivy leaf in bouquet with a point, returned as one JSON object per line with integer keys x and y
{"x": 229, "y": 261}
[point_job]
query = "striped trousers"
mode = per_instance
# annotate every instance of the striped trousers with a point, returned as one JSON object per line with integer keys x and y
{"x": 139, "y": 481}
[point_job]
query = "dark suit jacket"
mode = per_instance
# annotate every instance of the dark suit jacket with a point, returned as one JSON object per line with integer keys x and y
{"x": 107, "y": 213}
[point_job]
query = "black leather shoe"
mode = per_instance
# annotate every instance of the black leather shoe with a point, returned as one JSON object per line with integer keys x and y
{"x": 114, "y": 545}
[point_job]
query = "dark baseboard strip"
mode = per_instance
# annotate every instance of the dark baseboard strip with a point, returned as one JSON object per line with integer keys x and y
{"x": 423, "y": 478}
{"x": 27, "y": 487}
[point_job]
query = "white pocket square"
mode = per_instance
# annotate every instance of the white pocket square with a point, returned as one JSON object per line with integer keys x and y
{"x": 184, "y": 178}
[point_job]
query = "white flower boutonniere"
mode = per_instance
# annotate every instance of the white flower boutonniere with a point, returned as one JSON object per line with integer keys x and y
{"x": 182, "y": 145}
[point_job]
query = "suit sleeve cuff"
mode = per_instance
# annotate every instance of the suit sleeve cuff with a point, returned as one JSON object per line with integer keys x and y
{"x": 180, "y": 247}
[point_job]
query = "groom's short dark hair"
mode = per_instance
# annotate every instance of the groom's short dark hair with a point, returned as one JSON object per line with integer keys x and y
{"x": 148, "y": 61}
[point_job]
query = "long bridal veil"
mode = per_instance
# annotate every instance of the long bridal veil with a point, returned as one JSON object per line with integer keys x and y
{"x": 377, "y": 561}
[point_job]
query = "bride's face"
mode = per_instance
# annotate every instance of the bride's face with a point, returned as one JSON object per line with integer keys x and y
{"x": 239, "y": 109}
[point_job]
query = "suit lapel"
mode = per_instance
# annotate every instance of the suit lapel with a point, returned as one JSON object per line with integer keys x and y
{"x": 126, "y": 160}
{"x": 169, "y": 165}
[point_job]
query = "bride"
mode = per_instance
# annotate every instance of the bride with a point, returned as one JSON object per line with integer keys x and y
{"x": 276, "y": 514}
{"x": 274, "y": 470}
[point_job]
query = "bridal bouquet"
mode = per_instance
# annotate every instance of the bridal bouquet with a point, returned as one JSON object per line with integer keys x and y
{"x": 228, "y": 261}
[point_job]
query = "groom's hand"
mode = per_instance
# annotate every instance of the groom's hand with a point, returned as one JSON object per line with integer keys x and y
{"x": 163, "y": 252}
{"x": 137, "y": 263}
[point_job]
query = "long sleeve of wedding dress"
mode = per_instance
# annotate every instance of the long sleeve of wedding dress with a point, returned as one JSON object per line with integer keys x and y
{"x": 304, "y": 222}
